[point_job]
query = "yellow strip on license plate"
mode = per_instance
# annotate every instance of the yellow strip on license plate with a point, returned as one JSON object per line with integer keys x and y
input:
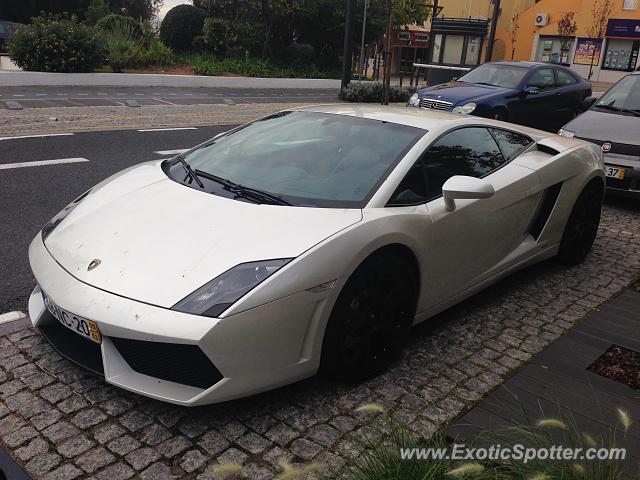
{"x": 614, "y": 172}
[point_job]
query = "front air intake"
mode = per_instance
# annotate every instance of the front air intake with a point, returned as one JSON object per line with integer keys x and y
{"x": 174, "y": 362}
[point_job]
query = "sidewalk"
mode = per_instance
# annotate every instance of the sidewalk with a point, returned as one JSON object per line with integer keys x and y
{"x": 558, "y": 384}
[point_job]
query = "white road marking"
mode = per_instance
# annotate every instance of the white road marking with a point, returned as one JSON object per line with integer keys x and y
{"x": 166, "y": 129}
{"x": 12, "y": 316}
{"x": 62, "y": 94}
{"x": 17, "y": 95}
{"x": 171, "y": 152}
{"x": 37, "y": 136}
{"x": 83, "y": 94}
{"x": 41, "y": 94}
{"x": 162, "y": 101}
{"x": 41, "y": 163}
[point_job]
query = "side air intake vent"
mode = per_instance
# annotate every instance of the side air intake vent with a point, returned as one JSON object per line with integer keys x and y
{"x": 547, "y": 149}
{"x": 549, "y": 199}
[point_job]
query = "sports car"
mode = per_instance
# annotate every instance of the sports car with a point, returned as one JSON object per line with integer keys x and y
{"x": 308, "y": 240}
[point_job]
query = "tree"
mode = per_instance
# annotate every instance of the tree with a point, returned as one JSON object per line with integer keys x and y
{"x": 515, "y": 25}
{"x": 145, "y": 9}
{"x": 600, "y": 13}
{"x": 180, "y": 25}
{"x": 567, "y": 30}
{"x": 96, "y": 10}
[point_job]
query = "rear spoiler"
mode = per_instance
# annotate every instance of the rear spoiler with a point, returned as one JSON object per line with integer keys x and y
{"x": 555, "y": 144}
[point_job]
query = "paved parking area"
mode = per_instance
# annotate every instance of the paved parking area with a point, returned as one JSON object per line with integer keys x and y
{"x": 62, "y": 422}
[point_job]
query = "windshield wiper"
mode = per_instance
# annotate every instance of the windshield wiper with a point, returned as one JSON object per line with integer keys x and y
{"x": 613, "y": 108}
{"x": 190, "y": 172}
{"x": 249, "y": 193}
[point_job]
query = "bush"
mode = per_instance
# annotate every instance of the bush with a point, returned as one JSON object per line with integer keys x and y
{"x": 300, "y": 55}
{"x": 198, "y": 44}
{"x": 371, "y": 92}
{"x": 157, "y": 53}
{"x": 56, "y": 43}
{"x": 217, "y": 35}
{"x": 113, "y": 20}
{"x": 125, "y": 39}
{"x": 180, "y": 25}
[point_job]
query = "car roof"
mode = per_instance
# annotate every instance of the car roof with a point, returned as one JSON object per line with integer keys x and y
{"x": 413, "y": 117}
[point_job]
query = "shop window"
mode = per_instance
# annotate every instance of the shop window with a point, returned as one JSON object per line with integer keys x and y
{"x": 421, "y": 37}
{"x": 554, "y": 50}
{"x": 472, "y": 55}
{"x": 453, "y": 49}
{"x": 621, "y": 54}
{"x": 404, "y": 36}
{"x": 630, "y": 4}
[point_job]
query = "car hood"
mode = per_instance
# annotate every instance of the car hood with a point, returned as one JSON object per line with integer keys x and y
{"x": 457, "y": 92}
{"x": 606, "y": 127}
{"x": 158, "y": 240}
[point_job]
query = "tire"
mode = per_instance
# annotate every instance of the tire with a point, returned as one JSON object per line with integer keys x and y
{"x": 582, "y": 226}
{"x": 500, "y": 114}
{"x": 371, "y": 318}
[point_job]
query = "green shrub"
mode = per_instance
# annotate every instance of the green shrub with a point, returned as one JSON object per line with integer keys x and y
{"x": 207, "y": 64}
{"x": 180, "y": 25}
{"x": 371, "y": 92}
{"x": 113, "y": 20}
{"x": 300, "y": 55}
{"x": 56, "y": 43}
{"x": 157, "y": 53}
{"x": 198, "y": 44}
{"x": 124, "y": 40}
{"x": 217, "y": 35}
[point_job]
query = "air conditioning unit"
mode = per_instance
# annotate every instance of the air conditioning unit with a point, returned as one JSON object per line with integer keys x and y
{"x": 542, "y": 19}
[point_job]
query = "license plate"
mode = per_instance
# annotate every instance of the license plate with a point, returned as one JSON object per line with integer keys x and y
{"x": 614, "y": 172}
{"x": 82, "y": 326}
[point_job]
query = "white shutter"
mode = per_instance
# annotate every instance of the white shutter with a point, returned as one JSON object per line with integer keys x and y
{"x": 630, "y": 4}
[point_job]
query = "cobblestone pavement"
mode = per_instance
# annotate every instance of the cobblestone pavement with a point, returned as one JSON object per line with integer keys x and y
{"x": 61, "y": 422}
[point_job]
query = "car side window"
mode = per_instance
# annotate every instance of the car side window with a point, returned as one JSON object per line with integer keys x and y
{"x": 542, "y": 78}
{"x": 412, "y": 189}
{"x": 563, "y": 78}
{"x": 511, "y": 143}
{"x": 470, "y": 151}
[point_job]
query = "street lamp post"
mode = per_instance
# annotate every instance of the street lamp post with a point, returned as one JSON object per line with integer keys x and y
{"x": 364, "y": 29}
{"x": 348, "y": 46}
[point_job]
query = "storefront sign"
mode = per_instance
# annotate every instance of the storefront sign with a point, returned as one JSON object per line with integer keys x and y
{"x": 584, "y": 51}
{"x": 623, "y": 28}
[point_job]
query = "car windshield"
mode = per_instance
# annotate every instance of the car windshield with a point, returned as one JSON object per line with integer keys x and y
{"x": 507, "y": 76}
{"x": 308, "y": 158}
{"x": 624, "y": 95}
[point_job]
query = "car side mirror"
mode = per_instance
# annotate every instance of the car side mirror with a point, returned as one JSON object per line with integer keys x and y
{"x": 587, "y": 103}
{"x": 462, "y": 187}
{"x": 531, "y": 90}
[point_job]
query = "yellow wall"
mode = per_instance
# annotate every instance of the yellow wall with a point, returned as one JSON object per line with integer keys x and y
{"x": 582, "y": 8}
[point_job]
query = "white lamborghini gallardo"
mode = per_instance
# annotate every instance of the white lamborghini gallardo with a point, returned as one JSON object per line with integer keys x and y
{"x": 309, "y": 240}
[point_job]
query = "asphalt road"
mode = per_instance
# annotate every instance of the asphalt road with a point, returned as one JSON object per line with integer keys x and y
{"x": 30, "y": 196}
{"x": 39, "y": 97}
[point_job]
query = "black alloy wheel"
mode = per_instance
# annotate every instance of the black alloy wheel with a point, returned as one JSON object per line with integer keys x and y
{"x": 371, "y": 318}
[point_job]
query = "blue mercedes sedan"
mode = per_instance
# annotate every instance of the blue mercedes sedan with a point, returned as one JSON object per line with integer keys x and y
{"x": 539, "y": 95}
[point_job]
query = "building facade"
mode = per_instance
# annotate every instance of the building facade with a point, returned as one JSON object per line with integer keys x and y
{"x": 537, "y": 38}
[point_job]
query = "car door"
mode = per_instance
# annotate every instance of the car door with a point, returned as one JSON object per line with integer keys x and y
{"x": 480, "y": 238}
{"x": 539, "y": 108}
{"x": 568, "y": 97}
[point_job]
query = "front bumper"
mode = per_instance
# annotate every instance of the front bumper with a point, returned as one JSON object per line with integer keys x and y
{"x": 630, "y": 184}
{"x": 253, "y": 351}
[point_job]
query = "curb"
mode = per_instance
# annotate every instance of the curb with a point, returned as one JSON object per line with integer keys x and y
{"x": 23, "y": 79}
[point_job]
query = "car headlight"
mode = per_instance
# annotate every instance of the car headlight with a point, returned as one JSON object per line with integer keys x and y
{"x": 566, "y": 133}
{"x": 62, "y": 214}
{"x": 215, "y": 297}
{"x": 465, "y": 109}
{"x": 414, "y": 100}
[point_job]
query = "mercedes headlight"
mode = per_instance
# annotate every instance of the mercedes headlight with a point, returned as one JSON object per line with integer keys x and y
{"x": 215, "y": 297}
{"x": 465, "y": 109}
{"x": 62, "y": 214}
{"x": 566, "y": 133}
{"x": 414, "y": 100}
